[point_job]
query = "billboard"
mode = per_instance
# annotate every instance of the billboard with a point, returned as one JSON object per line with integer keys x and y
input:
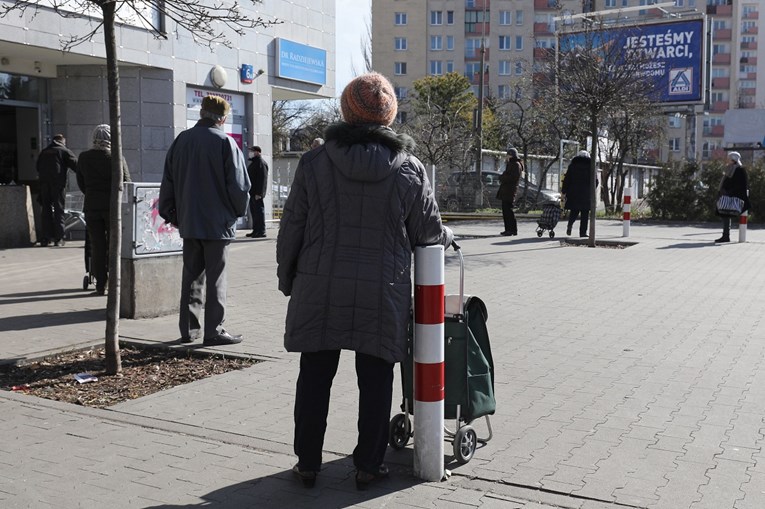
{"x": 674, "y": 53}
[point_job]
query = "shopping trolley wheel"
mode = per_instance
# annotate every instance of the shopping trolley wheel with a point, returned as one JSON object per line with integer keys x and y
{"x": 398, "y": 431}
{"x": 85, "y": 282}
{"x": 464, "y": 444}
{"x": 552, "y": 234}
{"x": 539, "y": 233}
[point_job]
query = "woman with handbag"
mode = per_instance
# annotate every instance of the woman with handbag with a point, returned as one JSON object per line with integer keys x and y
{"x": 734, "y": 184}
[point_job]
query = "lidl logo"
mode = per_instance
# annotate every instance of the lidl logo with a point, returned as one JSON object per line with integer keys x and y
{"x": 680, "y": 81}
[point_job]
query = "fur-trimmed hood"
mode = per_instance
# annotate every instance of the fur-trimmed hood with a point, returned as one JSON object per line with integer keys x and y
{"x": 367, "y": 153}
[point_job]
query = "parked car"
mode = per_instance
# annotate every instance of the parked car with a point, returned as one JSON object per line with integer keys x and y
{"x": 458, "y": 192}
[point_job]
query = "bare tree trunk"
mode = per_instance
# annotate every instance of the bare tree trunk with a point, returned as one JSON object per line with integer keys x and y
{"x": 593, "y": 177}
{"x": 112, "y": 346}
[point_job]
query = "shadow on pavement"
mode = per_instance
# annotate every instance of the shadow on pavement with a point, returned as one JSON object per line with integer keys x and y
{"x": 78, "y": 295}
{"x": 60, "y": 292}
{"x": 335, "y": 489}
{"x": 45, "y": 320}
{"x": 688, "y": 245}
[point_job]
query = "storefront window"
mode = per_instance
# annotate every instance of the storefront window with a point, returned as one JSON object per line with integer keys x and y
{"x": 14, "y": 87}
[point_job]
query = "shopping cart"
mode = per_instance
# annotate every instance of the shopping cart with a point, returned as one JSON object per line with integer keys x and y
{"x": 549, "y": 219}
{"x": 468, "y": 375}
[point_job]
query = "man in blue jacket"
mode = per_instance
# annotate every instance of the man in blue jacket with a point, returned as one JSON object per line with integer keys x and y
{"x": 204, "y": 190}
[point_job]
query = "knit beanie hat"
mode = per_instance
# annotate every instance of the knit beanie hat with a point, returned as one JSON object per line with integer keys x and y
{"x": 102, "y": 137}
{"x": 369, "y": 99}
{"x": 216, "y": 105}
{"x": 512, "y": 152}
{"x": 583, "y": 153}
{"x": 734, "y": 156}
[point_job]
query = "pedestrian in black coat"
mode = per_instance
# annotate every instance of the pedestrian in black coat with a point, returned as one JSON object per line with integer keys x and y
{"x": 258, "y": 172}
{"x": 53, "y": 165}
{"x": 508, "y": 188}
{"x": 577, "y": 192}
{"x": 734, "y": 182}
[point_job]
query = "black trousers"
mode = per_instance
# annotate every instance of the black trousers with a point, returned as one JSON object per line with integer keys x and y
{"x": 375, "y": 382}
{"x": 52, "y": 198}
{"x": 508, "y": 216}
{"x": 573, "y": 213}
{"x": 258, "y": 215}
{"x": 203, "y": 260}
{"x": 97, "y": 222}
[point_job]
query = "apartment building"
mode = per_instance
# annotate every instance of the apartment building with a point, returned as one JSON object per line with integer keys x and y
{"x": 414, "y": 38}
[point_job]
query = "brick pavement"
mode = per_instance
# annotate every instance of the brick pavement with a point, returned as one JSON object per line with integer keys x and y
{"x": 630, "y": 377}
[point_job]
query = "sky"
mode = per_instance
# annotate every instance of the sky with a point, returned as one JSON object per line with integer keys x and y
{"x": 351, "y": 18}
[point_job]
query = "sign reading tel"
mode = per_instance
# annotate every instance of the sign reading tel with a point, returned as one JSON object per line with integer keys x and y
{"x": 299, "y": 62}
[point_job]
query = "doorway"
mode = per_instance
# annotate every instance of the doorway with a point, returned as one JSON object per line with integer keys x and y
{"x": 19, "y": 144}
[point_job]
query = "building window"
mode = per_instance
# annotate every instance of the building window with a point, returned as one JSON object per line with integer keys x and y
{"x": 449, "y": 17}
{"x": 450, "y": 66}
{"x": 505, "y": 18}
{"x": 674, "y": 144}
{"x": 399, "y": 68}
{"x": 717, "y": 97}
{"x": 504, "y": 43}
{"x": 519, "y": 17}
{"x": 436, "y": 43}
{"x": 472, "y": 69}
{"x": 400, "y": 43}
{"x": 400, "y": 92}
{"x": 518, "y": 68}
{"x": 503, "y": 91}
{"x": 610, "y": 4}
{"x": 504, "y": 67}
{"x": 674, "y": 121}
{"x": 449, "y": 43}
{"x": 518, "y": 43}
{"x": 400, "y": 18}
{"x": 436, "y": 18}
{"x": 472, "y": 47}
{"x": 401, "y": 117}
{"x": 469, "y": 4}
{"x": 436, "y": 68}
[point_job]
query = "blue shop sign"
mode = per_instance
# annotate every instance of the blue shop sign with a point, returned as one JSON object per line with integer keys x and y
{"x": 300, "y": 62}
{"x": 247, "y": 73}
{"x": 673, "y": 54}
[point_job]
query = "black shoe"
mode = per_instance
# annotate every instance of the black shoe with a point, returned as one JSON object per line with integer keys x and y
{"x": 583, "y": 235}
{"x": 364, "y": 479}
{"x": 505, "y": 233}
{"x": 249, "y": 234}
{"x": 307, "y": 476}
{"x": 257, "y": 235}
{"x": 724, "y": 238}
{"x": 190, "y": 338}
{"x": 43, "y": 243}
{"x": 223, "y": 338}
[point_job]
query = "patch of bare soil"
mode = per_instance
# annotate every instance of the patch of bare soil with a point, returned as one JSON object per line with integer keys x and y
{"x": 144, "y": 372}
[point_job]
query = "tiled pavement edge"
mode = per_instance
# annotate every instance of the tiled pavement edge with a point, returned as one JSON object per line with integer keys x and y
{"x": 634, "y": 377}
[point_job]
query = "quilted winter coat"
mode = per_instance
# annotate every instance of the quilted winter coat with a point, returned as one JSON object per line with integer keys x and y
{"x": 358, "y": 206}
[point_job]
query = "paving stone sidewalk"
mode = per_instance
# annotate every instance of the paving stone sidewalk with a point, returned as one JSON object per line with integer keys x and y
{"x": 624, "y": 377}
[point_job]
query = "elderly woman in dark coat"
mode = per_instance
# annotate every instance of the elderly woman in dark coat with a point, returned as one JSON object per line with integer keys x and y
{"x": 94, "y": 177}
{"x": 734, "y": 182}
{"x": 358, "y": 206}
{"x": 508, "y": 188}
{"x": 578, "y": 192}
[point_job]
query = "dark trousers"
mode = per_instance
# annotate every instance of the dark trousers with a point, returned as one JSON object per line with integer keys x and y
{"x": 572, "y": 215}
{"x": 97, "y": 222}
{"x": 375, "y": 381}
{"x": 508, "y": 216}
{"x": 203, "y": 260}
{"x": 258, "y": 215}
{"x": 52, "y": 199}
{"x": 726, "y": 227}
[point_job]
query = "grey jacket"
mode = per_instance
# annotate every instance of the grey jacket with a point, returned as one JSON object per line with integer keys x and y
{"x": 358, "y": 206}
{"x": 205, "y": 185}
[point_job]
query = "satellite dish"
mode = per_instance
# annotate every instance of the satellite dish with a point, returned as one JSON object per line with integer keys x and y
{"x": 218, "y": 76}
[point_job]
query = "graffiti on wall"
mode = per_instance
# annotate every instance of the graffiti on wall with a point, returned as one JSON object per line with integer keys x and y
{"x": 152, "y": 234}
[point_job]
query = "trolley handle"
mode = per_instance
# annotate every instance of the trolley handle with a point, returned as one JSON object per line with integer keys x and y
{"x": 457, "y": 248}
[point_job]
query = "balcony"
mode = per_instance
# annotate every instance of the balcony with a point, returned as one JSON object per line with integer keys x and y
{"x": 748, "y": 60}
{"x": 477, "y": 28}
{"x": 542, "y": 29}
{"x": 749, "y": 45}
{"x": 546, "y": 5}
{"x": 721, "y": 83}
{"x": 717, "y": 130}
{"x": 747, "y": 91}
{"x": 723, "y": 34}
{"x": 720, "y": 106}
{"x": 720, "y": 10}
{"x": 721, "y": 59}
{"x": 752, "y": 15}
{"x": 543, "y": 53}
{"x": 746, "y": 106}
{"x": 752, "y": 30}
{"x": 478, "y": 5}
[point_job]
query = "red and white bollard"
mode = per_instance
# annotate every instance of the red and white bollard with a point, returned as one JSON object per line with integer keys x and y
{"x": 429, "y": 362}
{"x": 742, "y": 219}
{"x": 626, "y": 207}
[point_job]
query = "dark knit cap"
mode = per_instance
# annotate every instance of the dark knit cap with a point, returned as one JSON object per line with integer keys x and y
{"x": 369, "y": 99}
{"x": 216, "y": 105}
